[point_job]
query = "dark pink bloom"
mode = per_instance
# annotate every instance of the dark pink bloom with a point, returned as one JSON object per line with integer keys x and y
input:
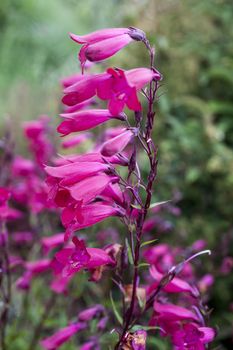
{"x": 33, "y": 268}
{"x": 82, "y": 90}
{"x": 88, "y": 215}
{"x": 4, "y": 196}
{"x": 192, "y": 337}
{"x": 86, "y": 190}
{"x": 63, "y": 335}
{"x": 117, "y": 144}
{"x": 37, "y": 132}
{"x": 105, "y": 43}
{"x": 99, "y": 35}
{"x": 118, "y": 86}
{"x": 80, "y": 257}
{"x": 99, "y": 51}
{"x": 174, "y": 313}
{"x": 22, "y": 167}
{"x": 78, "y": 168}
{"x": 84, "y": 120}
{"x": 176, "y": 285}
{"x": 121, "y": 88}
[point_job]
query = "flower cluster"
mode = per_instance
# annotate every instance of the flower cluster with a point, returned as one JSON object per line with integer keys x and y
{"x": 105, "y": 183}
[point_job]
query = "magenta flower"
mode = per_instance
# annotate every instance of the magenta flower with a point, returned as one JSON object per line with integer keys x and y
{"x": 48, "y": 243}
{"x": 83, "y": 89}
{"x": 176, "y": 285}
{"x": 61, "y": 336}
{"x": 118, "y": 143}
{"x": 90, "y": 313}
{"x": 86, "y": 190}
{"x": 33, "y": 269}
{"x": 4, "y": 196}
{"x": 118, "y": 86}
{"x": 75, "y": 140}
{"x": 121, "y": 88}
{"x": 79, "y": 169}
{"x": 85, "y": 120}
{"x": 174, "y": 313}
{"x": 104, "y": 43}
{"x": 99, "y": 51}
{"x": 80, "y": 257}
{"x": 99, "y": 35}
{"x": 77, "y": 218}
{"x": 192, "y": 337}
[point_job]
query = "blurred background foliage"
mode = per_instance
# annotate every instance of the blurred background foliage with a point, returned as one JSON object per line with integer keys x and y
{"x": 194, "y": 52}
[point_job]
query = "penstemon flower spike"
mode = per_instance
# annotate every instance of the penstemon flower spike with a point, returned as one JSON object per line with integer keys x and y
{"x": 107, "y": 181}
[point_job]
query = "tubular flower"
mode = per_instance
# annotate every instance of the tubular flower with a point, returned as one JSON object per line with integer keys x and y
{"x": 121, "y": 88}
{"x": 76, "y": 217}
{"x": 84, "y": 120}
{"x": 74, "y": 259}
{"x": 116, "y": 85}
{"x": 117, "y": 144}
{"x": 61, "y": 336}
{"x": 104, "y": 43}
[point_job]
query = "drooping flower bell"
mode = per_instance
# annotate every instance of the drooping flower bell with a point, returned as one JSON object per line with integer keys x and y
{"x": 104, "y": 43}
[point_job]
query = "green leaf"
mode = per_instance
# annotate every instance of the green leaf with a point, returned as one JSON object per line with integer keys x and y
{"x": 143, "y": 265}
{"x": 137, "y": 327}
{"x": 148, "y": 242}
{"x": 153, "y": 205}
{"x": 129, "y": 251}
{"x": 116, "y": 313}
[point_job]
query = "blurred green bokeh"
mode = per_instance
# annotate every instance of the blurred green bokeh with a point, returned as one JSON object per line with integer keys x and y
{"x": 194, "y": 52}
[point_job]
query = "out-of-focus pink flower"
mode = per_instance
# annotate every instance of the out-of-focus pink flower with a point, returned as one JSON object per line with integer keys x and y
{"x": 22, "y": 167}
{"x": 37, "y": 132}
{"x": 90, "y": 345}
{"x": 48, "y": 243}
{"x": 33, "y": 268}
{"x": 227, "y": 265}
{"x": 4, "y": 196}
{"x": 22, "y": 237}
{"x": 206, "y": 282}
{"x": 7, "y": 213}
{"x": 85, "y": 120}
{"x": 75, "y": 140}
{"x": 61, "y": 336}
{"x": 118, "y": 143}
{"x": 90, "y": 313}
